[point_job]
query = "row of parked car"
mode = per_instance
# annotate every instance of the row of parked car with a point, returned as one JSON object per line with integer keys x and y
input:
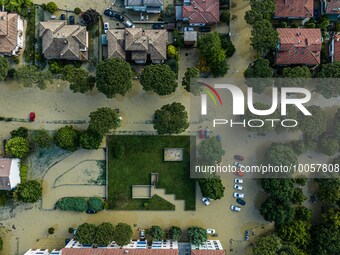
{"x": 118, "y": 17}
{"x": 238, "y": 182}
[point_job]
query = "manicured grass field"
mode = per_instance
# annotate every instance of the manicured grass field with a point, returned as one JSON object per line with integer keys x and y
{"x": 142, "y": 156}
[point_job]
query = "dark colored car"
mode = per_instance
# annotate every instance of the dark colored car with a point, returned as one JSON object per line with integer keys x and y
{"x": 158, "y": 26}
{"x": 62, "y": 17}
{"x": 205, "y": 29}
{"x": 218, "y": 138}
{"x": 89, "y": 211}
{"x": 67, "y": 240}
{"x": 71, "y": 20}
{"x": 240, "y": 201}
{"x": 109, "y": 13}
{"x": 119, "y": 17}
{"x": 247, "y": 235}
{"x": 239, "y": 157}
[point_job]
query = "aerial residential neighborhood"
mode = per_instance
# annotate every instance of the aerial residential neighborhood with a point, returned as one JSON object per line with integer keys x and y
{"x": 160, "y": 127}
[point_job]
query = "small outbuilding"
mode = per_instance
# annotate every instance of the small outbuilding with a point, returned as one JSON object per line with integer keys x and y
{"x": 9, "y": 173}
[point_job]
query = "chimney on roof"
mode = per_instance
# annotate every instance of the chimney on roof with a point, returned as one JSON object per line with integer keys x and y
{"x": 2, "y": 166}
{"x": 126, "y": 251}
{"x": 298, "y": 34}
{"x": 299, "y": 41}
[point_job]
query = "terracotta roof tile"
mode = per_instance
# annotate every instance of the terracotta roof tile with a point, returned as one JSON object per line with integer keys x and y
{"x": 294, "y": 8}
{"x": 299, "y": 46}
{"x": 8, "y": 32}
{"x": 202, "y": 11}
{"x": 333, "y": 7}
{"x": 337, "y": 48}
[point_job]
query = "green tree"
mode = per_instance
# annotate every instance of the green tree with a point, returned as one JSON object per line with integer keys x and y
{"x": 298, "y": 146}
{"x": 90, "y": 17}
{"x": 77, "y": 204}
{"x": 79, "y": 79}
{"x": 281, "y": 154}
{"x": 279, "y": 188}
{"x": 299, "y": 76}
{"x": 85, "y": 233}
{"x": 173, "y": 52}
{"x": 171, "y": 119}
{"x": 227, "y": 45}
{"x": 225, "y": 16}
{"x": 21, "y": 132}
{"x": 212, "y": 188}
{"x": 267, "y": 245}
{"x": 302, "y": 213}
{"x": 264, "y": 37}
{"x": 52, "y": 7}
{"x": 113, "y": 76}
{"x": 211, "y": 151}
{"x": 329, "y": 87}
{"x": 328, "y": 145}
{"x": 4, "y": 66}
{"x": 197, "y": 235}
{"x": 156, "y": 233}
{"x": 175, "y": 233}
{"x": 67, "y": 138}
{"x": 257, "y": 125}
{"x": 298, "y": 196}
{"x": 210, "y": 49}
{"x": 123, "y": 234}
{"x": 191, "y": 72}
{"x": 104, "y": 234}
{"x": 336, "y": 124}
{"x": 277, "y": 211}
{"x": 314, "y": 125}
{"x": 158, "y": 78}
{"x": 29, "y": 75}
{"x": 259, "y": 10}
{"x": 103, "y": 120}
{"x": 29, "y": 191}
{"x": 17, "y": 147}
{"x": 329, "y": 190}
{"x": 260, "y": 68}
{"x": 51, "y": 230}
{"x": 40, "y": 138}
{"x": 20, "y": 6}
{"x": 95, "y": 204}
{"x": 170, "y": 10}
{"x": 77, "y": 10}
{"x": 90, "y": 140}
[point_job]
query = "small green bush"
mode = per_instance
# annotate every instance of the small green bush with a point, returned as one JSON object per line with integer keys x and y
{"x": 16, "y": 59}
{"x": 77, "y": 10}
{"x": 78, "y": 204}
{"x": 51, "y": 7}
{"x": 70, "y": 230}
{"x": 51, "y": 230}
{"x": 23, "y": 173}
{"x": 95, "y": 204}
{"x": 11, "y": 73}
{"x": 1, "y": 244}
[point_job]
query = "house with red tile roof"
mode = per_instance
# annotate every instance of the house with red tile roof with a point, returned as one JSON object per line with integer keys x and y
{"x": 294, "y": 9}
{"x": 331, "y": 8}
{"x": 334, "y": 48}
{"x": 9, "y": 173}
{"x": 299, "y": 46}
{"x": 199, "y": 12}
{"x": 11, "y": 33}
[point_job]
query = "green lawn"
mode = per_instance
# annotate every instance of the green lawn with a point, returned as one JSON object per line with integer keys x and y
{"x": 143, "y": 155}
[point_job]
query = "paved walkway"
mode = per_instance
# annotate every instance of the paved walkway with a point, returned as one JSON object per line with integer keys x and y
{"x": 51, "y": 193}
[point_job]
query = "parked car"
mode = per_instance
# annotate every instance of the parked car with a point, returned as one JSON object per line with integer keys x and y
{"x": 238, "y": 157}
{"x": 238, "y": 165}
{"x": 75, "y": 231}
{"x": 71, "y": 20}
{"x": 89, "y": 211}
{"x": 188, "y": 29}
{"x": 205, "y": 29}
{"x": 235, "y": 208}
{"x": 206, "y": 200}
{"x": 240, "y": 201}
{"x": 119, "y": 17}
{"x": 109, "y": 13}
{"x": 238, "y": 180}
{"x": 239, "y": 173}
{"x": 158, "y": 26}
{"x": 207, "y": 133}
{"x": 62, "y": 17}
{"x": 238, "y": 187}
{"x": 238, "y": 195}
{"x": 247, "y": 235}
{"x": 218, "y": 138}
{"x": 106, "y": 27}
{"x": 128, "y": 23}
{"x": 211, "y": 231}
{"x": 201, "y": 133}
{"x": 142, "y": 235}
{"x": 32, "y": 116}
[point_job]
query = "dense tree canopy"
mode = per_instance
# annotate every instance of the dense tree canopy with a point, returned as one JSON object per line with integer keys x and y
{"x": 29, "y": 191}
{"x": 156, "y": 233}
{"x": 328, "y": 145}
{"x": 259, "y": 10}
{"x": 51, "y": 7}
{"x": 90, "y": 140}
{"x": 197, "y": 235}
{"x": 211, "y": 151}
{"x": 103, "y": 120}
{"x": 21, "y": 132}
{"x": 329, "y": 87}
{"x": 281, "y": 154}
{"x": 113, "y": 76}
{"x": 17, "y": 147}
{"x": 90, "y": 17}
{"x": 175, "y": 233}
{"x": 336, "y": 124}
{"x": 85, "y": 233}
{"x": 227, "y": 45}
{"x": 267, "y": 245}
{"x": 95, "y": 204}
{"x": 277, "y": 211}
{"x": 20, "y": 6}
{"x": 40, "y": 139}
{"x": 171, "y": 119}
{"x": 191, "y": 72}
{"x": 123, "y": 234}
{"x": 80, "y": 80}
{"x": 329, "y": 190}
{"x": 296, "y": 233}
{"x": 264, "y": 37}
{"x": 67, "y": 138}
{"x": 159, "y": 78}
{"x": 212, "y": 188}
{"x": 4, "y": 66}
{"x": 314, "y": 125}
{"x": 104, "y": 234}
{"x": 280, "y": 188}
{"x": 77, "y": 204}
{"x": 260, "y": 68}
{"x": 211, "y": 50}
{"x": 29, "y": 75}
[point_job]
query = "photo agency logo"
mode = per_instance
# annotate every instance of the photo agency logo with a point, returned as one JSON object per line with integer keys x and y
{"x": 285, "y": 98}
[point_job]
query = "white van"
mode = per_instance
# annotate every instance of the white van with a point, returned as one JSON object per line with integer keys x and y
{"x": 128, "y": 23}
